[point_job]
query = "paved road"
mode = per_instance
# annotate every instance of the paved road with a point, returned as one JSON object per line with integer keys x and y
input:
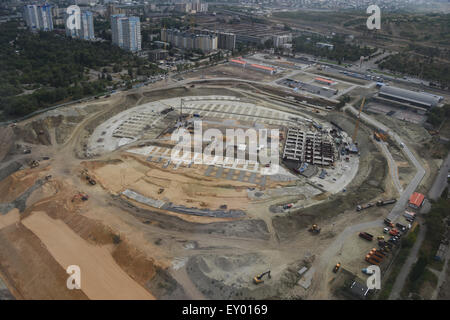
{"x": 404, "y": 272}
{"x": 412, "y": 186}
{"x": 441, "y": 180}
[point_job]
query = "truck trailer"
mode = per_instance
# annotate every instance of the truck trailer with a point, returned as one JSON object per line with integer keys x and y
{"x": 366, "y": 236}
{"x": 385, "y": 202}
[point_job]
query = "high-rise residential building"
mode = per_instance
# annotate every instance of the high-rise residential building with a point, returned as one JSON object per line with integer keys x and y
{"x": 199, "y": 6}
{"x": 116, "y": 29}
{"x": 86, "y": 31}
{"x": 38, "y": 17}
{"x": 131, "y": 34}
{"x": 126, "y": 32}
{"x": 87, "y": 26}
{"x": 226, "y": 41}
{"x": 281, "y": 40}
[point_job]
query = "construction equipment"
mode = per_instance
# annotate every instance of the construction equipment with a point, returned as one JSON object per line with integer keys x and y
{"x": 393, "y": 232}
{"x": 380, "y": 135}
{"x": 89, "y": 179}
{"x": 258, "y": 279}
{"x": 388, "y": 222}
{"x": 314, "y": 229}
{"x": 372, "y": 257}
{"x": 376, "y": 253}
{"x": 366, "y": 236}
{"x": 82, "y": 196}
{"x": 364, "y": 206}
{"x": 337, "y": 267}
{"x": 385, "y": 202}
{"x": 357, "y": 120}
{"x": 34, "y": 163}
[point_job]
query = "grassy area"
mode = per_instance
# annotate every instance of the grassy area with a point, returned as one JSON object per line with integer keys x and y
{"x": 332, "y": 17}
{"x": 398, "y": 263}
{"x": 421, "y": 279}
{"x": 437, "y": 265}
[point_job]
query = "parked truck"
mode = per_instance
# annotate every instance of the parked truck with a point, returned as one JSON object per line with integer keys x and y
{"x": 366, "y": 236}
{"x": 365, "y": 271}
{"x": 371, "y": 260}
{"x": 364, "y": 206}
{"x": 388, "y": 222}
{"x": 385, "y": 202}
{"x": 376, "y": 254}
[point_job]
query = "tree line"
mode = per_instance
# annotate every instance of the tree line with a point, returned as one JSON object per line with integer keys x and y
{"x": 38, "y": 70}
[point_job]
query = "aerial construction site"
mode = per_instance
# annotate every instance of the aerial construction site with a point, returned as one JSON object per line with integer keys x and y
{"x": 98, "y": 184}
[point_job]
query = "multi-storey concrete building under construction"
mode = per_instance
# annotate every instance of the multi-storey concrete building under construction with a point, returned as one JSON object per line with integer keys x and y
{"x": 309, "y": 147}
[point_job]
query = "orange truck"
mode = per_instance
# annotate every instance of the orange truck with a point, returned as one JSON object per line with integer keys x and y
{"x": 371, "y": 260}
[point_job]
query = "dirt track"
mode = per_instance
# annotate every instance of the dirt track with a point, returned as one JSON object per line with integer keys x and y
{"x": 101, "y": 278}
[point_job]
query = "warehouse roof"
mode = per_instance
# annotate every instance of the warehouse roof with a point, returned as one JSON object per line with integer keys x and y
{"x": 262, "y": 67}
{"x": 323, "y": 80}
{"x": 416, "y": 199}
{"x": 238, "y": 61}
{"x": 410, "y": 96}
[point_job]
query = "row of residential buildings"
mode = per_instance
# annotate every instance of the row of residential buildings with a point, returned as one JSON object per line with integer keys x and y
{"x": 189, "y": 40}
{"x": 39, "y": 18}
{"x": 126, "y": 31}
{"x": 193, "y": 6}
{"x": 203, "y": 40}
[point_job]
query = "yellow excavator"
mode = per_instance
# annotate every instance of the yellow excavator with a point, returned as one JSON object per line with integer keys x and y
{"x": 258, "y": 279}
{"x": 337, "y": 267}
{"x": 314, "y": 229}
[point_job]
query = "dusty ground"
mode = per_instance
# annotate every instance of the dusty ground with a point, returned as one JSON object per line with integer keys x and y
{"x": 130, "y": 250}
{"x": 229, "y": 71}
{"x": 102, "y": 278}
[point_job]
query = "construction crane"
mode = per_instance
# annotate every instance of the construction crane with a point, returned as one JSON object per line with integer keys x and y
{"x": 165, "y": 38}
{"x": 357, "y": 120}
{"x": 181, "y": 109}
{"x": 192, "y": 22}
{"x": 258, "y": 279}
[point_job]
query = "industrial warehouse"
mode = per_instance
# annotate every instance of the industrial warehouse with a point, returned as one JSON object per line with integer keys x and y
{"x": 252, "y": 66}
{"x": 407, "y": 97}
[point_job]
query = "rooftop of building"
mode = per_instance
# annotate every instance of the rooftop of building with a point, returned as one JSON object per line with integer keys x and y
{"x": 411, "y": 96}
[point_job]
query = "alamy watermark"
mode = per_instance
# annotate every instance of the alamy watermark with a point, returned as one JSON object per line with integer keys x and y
{"x": 74, "y": 279}
{"x": 73, "y": 21}
{"x": 257, "y": 147}
{"x": 374, "y": 21}
{"x": 374, "y": 280}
